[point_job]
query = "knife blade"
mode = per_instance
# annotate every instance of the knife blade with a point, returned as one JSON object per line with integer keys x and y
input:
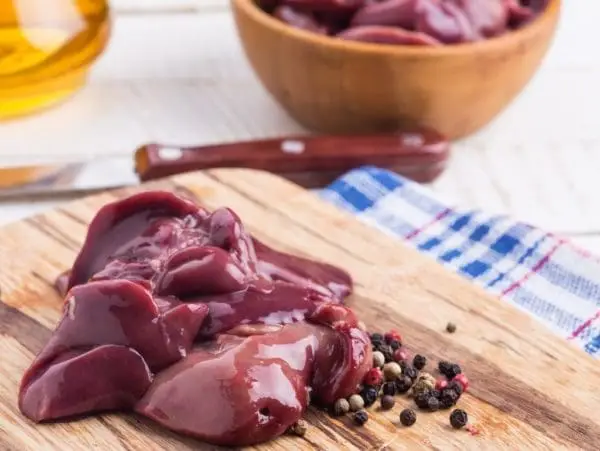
{"x": 311, "y": 161}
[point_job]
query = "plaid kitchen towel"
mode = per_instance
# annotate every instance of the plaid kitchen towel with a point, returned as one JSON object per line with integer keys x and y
{"x": 534, "y": 270}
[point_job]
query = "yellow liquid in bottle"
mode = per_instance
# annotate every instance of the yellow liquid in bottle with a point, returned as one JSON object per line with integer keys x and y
{"x": 46, "y": 50}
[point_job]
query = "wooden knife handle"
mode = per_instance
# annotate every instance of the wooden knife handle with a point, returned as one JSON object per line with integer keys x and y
{"x": 419, "y": 152}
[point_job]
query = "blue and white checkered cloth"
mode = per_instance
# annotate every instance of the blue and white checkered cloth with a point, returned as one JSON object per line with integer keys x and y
{"x": 534, "y": 270}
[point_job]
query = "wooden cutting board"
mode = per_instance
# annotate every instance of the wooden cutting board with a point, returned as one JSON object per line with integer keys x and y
{"x": 530, "y": 389}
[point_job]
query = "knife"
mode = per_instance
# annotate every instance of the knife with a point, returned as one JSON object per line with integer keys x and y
{"x": 311, "y": 161}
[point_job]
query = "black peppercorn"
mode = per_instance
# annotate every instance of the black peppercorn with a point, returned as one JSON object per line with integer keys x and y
{"x": 376, "y": 338}
{"x": 369, "y": 395}
{"x": 419, "y": 362}
{"x": 448, "y": 398}
{"x": 387, "y": 351}
{"x": 456, "y": 387}
{"x": 422, "y": 400}
{"x": 389, "y": 388}
{"x": 458, "y": 418}
{"x": 452, "y": 371}
{"x": 450, "y": 328}
{"x": 361, "y": 417}
{"x": 433, "y": 404}
{"x": 408, "y": 417}
{"x": 436, "y": 393}
{"x": 411, "y": 372}
{"x": 403, "y": 384}
{"x": 387, "y": 402}
{"x": 395, "y": 344}
{"x": 443, "y": 366}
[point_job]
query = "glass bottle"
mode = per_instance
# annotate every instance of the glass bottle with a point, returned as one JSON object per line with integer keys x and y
{"x": 46, "y": 50}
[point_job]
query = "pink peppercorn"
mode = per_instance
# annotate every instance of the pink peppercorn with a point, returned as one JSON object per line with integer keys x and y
{"x": 400, "y": 355}
{"x": 373, "y": 377}
{"x": 440, "y": 384}
{"x": 463, "y": 380}
{"x": 392, "y": 335}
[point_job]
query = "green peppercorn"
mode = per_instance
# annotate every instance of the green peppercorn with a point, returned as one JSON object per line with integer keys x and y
{"x": 408, "y": 417}
{"x": 433, "y": 404}
{"x": 361, "y": 417}
{"x": 419, "y": 362}
{"x": 458, "y": 418}
{"x": 387, "y": 402}
{"x": 403, "y": 384}
{"x": 378, "y": 359}
{"x": 391, "y": 371}
{"x": 341, "y": 407}
{"x": 389, "y": 388}
{"x": 450, "y": 328}
{"x": 356, "y": 402}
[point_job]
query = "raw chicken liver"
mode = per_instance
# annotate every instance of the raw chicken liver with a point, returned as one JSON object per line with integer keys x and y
{"x": 177, "y": 313}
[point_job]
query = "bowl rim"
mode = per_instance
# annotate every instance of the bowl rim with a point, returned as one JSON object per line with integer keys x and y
{"x": 549, "y": 15}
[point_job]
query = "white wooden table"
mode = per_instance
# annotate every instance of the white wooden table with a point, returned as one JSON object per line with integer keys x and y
{"x": 175, "y": 72}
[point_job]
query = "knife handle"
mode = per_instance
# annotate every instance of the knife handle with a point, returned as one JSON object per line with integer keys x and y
{"x": 420, "y": 155}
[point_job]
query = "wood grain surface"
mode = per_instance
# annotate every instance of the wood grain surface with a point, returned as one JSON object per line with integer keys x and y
{"x": 530, "y": 389}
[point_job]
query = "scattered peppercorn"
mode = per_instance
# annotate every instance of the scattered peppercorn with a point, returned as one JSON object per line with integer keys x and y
{"x": 369, "y": 395}
{"x": 298, "y": 428}
{"x": 341, "y": 407}
{"x": 389, "y": 388}
{"x": 448, "y": 398}
{"x": 392, "y": 335}
{"x": 419, "y": 362}
{"x": 376, "y": 338}
{"x": 387, "y": 351}
{"x": 361, "y": 417}
{"x": 433, "y": 404}
{"x": 450, "y": 328}
{"x": 458, "y": 418}
{"x": 463, "y": 380}
{"x": 455, "y": 386}
{"x": 425, "y": 383}
{"x": 391, "y": 371}
{"x": 422, "y": 400}
{"x": 356, "y": 402}
{"x": 440, "y": 384}
{"x": 403, "y": 384}
{"x": 400, "y": 355}
{"x": 408, "y": 417}
{"x": 452, "y": 371}
{"x": 373, "y": 377}
{"x": 395, "y": 344}
{"x": 410, "y": 372}
{"x": 378, "y": 359}
{"x": 436, "y": 393}
{"x": 387, "y": 402}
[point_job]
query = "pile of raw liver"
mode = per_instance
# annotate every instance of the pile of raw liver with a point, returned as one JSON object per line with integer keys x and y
{"x": 407, "y": 22}
{"x": 178, "y": 314}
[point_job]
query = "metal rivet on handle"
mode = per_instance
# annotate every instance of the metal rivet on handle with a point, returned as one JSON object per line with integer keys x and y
{"x": 293, "y": 147}
{"x": 170, "y": 153}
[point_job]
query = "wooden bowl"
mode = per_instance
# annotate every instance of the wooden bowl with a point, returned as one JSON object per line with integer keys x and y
{"x": 336, "y": 86}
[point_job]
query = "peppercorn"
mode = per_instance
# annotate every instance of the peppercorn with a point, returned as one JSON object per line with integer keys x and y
{"x": 452, "y": 371}
{"x": 422, "y": 400}
{"x": 458, "y": 418}
{"x": 425, "y": 383}
{"x": 389, "y": 388}
{"x": 369, "y": 395}
{"x": 400, "y": 355}
{"x": 410, "y": 372}
{"x": 408, "y": 417}
{"x": 435, "y": 393}
{"x": 463, "y": 380}
{"x": 419, "y": 362}
{"x": 298, "y": 428}
{"x": 403, "y": 384}
{"x": 361, "y": 417}
{"x": 387, "y": 402}
{"x": 391, "y": 371}
{"x": 378, "y": 359}
{"x": 341, "y": 407}
{"x": 376, "y": 338}
{"x": 392, "y": 335}
{"x": 433, "y": 404}
{"x": 395, "y": 344}
{"x": 356, "y": 402}
{"x": 440, "y": 384}
{"x": 373, "y": 377}
{"x": 387, "y": 351}
{"x": 455, "y": 386}
{"x": 443, "y": 366}
{"x": 450, "y": 328}
{"x": 448, "y": 398}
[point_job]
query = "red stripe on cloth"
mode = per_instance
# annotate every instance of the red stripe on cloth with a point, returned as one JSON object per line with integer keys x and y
{"x": 539, "y": 265}
{"x": 584, "y": 326}
{"x": 421, "y": 229}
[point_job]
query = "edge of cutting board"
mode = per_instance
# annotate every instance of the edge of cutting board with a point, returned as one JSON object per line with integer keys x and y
{"x": 530, "y": 389}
